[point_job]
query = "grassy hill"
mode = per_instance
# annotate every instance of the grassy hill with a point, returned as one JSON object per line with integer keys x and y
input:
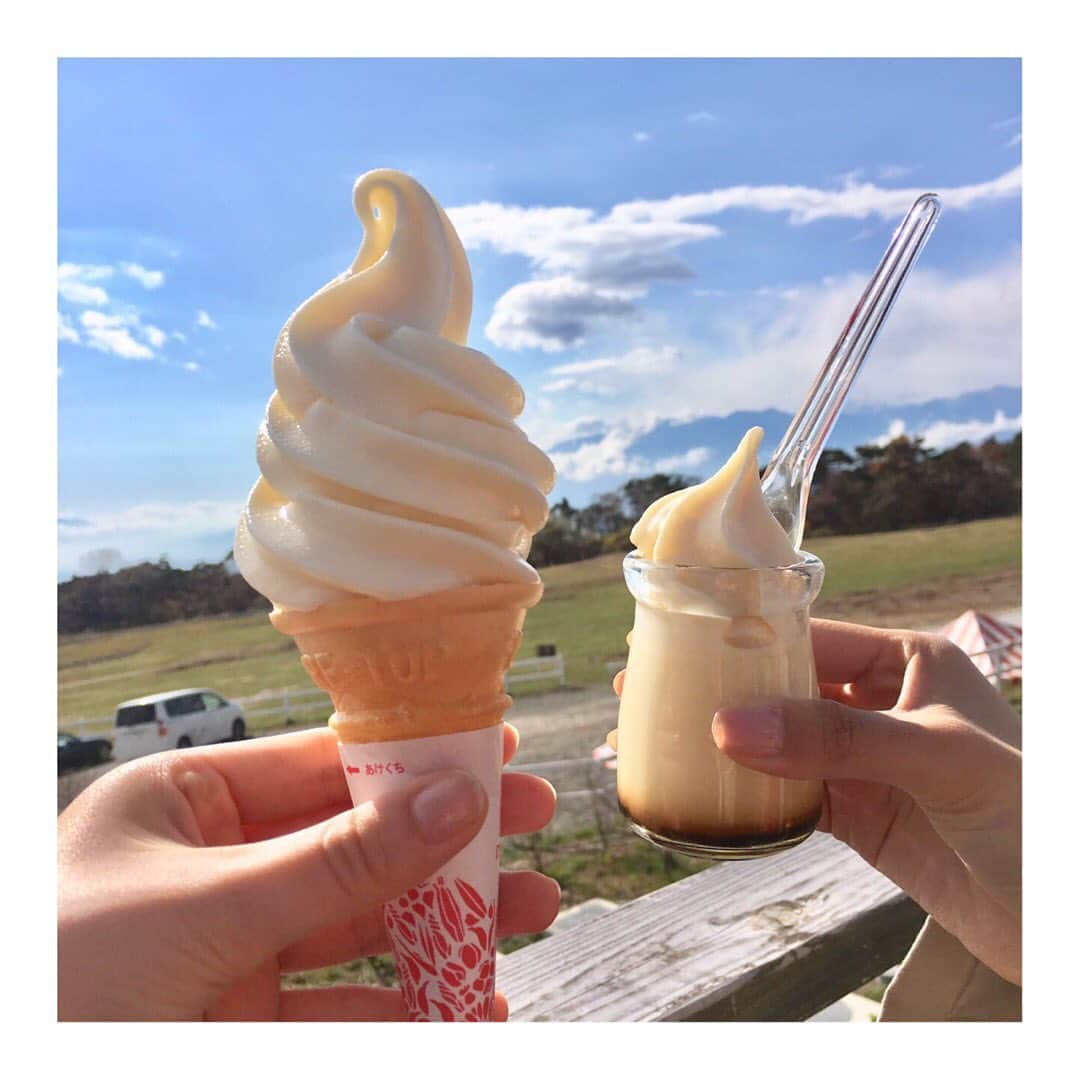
{"x": 919, "y": 577}
{"x": 587, "y": 610}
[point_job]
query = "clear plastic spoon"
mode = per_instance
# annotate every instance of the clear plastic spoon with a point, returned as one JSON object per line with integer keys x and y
{"x": 786, "y": 481}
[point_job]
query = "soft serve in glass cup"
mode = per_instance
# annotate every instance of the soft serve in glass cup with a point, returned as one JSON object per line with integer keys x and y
{"x": 721, "y": 619}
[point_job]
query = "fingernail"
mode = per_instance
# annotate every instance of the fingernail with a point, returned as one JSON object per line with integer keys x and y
{"x": 754, "y": 730}
{"x": 447, "y": 804}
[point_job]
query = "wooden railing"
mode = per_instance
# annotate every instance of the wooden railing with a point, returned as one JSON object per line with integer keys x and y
{"x": 770, "y": 939}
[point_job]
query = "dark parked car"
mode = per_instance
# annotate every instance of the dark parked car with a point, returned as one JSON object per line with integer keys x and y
{"x": 75, "y": 753}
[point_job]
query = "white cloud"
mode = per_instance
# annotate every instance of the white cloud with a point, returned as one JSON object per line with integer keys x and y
{"x": 179, "y": 336}
{"x": 702, "y": 116}
{"x": 65, "y": 331}
{"x": 895, "y": 172}
{"x": 893, "y": 431}
{"x": 112, "y": 334}
{"x": 598, "y": 387}
{"x": 786, "y": 292}
{"x": 192, "y": 366}
{"x": 610, "y": 455}
{"x": 154, "y": 334}
{"x": 607, "y": 456}
{"x": 115, "y": 332}
{"x": 77, "y": 292}
{"x": 806, "y": 204}
{"x": 692, "y": 459}
{"x": 643, "y": 361}
{"x": 710, "y": 292}
{"x": 552, "y": 313}
{"x": 67, "y": 271}
{"x": 517, "y": 230}
{"x": 557, "y": 386}
{"x": 546, "y": 430}
{"x": 1014, "y": 141}
{"x": 586, "y": 270}
{"x": 191, "y": 518}
{"x": 945, "y": 433}
{"x": 202, "y": 318}
{"x": 948, "y": 432}
{"x": 148, "y": 279}
{"x": 641, "y": 136}
{"x": 562, "y": 240}
{"x": 948, "y": 335}
{"x": 580, "y": 367}
{"x": 76, "y": 283}
{"x": 586, "y": 266}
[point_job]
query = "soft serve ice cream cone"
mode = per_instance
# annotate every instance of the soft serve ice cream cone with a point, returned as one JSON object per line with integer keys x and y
{"x": 389, "y": 528}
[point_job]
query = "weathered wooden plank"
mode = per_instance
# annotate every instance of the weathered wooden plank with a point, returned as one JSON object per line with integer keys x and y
{"x": 810, "y": 978}
{"x": 775, "y": 938}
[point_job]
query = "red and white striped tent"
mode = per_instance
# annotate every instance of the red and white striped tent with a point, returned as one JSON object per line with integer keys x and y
{"x": 995, "y": 647}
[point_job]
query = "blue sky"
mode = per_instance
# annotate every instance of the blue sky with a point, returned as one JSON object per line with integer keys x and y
{"x": 649, "y": 240}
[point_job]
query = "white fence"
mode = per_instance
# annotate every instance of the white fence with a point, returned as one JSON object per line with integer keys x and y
{"x": 269, "y": 706}
{"x": 537, "y": 669}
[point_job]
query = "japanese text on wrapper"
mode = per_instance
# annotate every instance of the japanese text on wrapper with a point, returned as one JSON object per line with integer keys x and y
{"x": 377, "y": 768}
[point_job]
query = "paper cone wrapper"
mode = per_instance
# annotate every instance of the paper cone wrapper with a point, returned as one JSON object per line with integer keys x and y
{"x": 417, "y": 686}
{"x": 443, "y": 932}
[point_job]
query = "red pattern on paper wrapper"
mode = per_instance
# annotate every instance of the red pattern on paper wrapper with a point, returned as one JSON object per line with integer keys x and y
{"x": 443, "y": 931}
{"x": 447, "y": 970}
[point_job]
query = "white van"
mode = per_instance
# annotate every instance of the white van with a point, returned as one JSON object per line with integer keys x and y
{"x": 177, "y": 718}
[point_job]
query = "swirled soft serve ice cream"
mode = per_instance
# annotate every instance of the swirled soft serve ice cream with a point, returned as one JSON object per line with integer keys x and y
{"x": 721, "y": 619}
{"x": 723, "y": 522}
{"x": 391, "y": 464}
{"x": 390, "y": 527}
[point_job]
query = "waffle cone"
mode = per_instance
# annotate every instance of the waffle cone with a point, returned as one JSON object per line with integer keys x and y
{"x": 409, "y": 669}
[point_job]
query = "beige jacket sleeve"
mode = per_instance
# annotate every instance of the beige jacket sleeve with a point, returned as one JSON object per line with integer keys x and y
{"x": 940, "y": 980}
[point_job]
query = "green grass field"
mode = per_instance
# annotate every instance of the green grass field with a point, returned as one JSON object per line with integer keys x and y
{"x": 586, "y": 612}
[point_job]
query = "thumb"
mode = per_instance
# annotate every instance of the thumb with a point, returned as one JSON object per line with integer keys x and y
{"x": 283, "y": 889}
{"x": 932, "y": 754}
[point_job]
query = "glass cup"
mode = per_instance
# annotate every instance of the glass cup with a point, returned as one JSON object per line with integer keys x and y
{"x": 705, "y": 638}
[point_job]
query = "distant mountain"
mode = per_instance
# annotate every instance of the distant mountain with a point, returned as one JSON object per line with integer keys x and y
{"x": 701, "y": 445}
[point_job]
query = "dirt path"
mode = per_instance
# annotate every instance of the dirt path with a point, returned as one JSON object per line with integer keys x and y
{"x": 564, "y": 724}
{"x": 928, "y": 605}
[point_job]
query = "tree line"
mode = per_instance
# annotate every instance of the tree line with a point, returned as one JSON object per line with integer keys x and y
{"x": 905, "y": 485}
{"x": 900, "y": 485}
{"x": 153, "y": 592}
